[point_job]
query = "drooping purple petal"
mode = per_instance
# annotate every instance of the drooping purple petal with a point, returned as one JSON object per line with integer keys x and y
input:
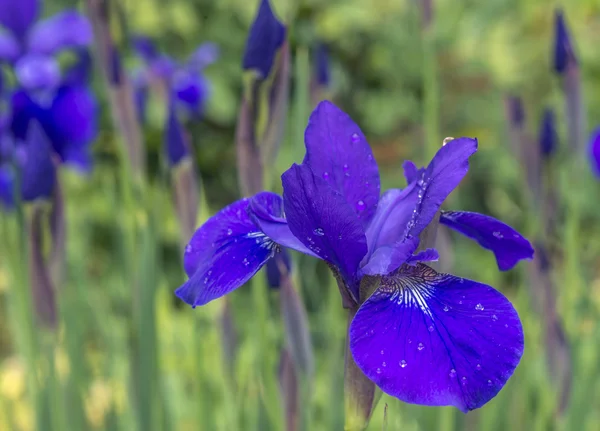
{"x": 338, "y": 152}
{"x": 71, "y": 124}
{"x": 35, "y": 72}
{"x": 223, "y": 254}
{"x": 269, "y": 218}
{"x": 9, "y": 48}
{"x": 508, "y": 245}
{"x": 67, "y": 29}
{"x": 18, "y": 16}
{"x": 320, "y": 217}
{"x": 436, "y": 339}
{"x": 23, "y": 109}
{"x": 38, "y": 172}
{"x": 594, "y": 151}
{"x": 407, "y": 212}
{"x": 265, "y": 38}
{"x": 175, "y": 141}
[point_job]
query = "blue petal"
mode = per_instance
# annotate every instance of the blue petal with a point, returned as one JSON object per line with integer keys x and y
{"x": 224, "y": 253}
{"x": 508, "y": 245}
{"x": 390, "y": 257}
{"x": 9, "y": 48}
{"x": 428, "y": 255}
{"x": 204, "y": 55}
{"x": 36, "y": 71}
{"x": 338, "y": 152}
{"x": 67, "y": 29}
{"x": 436, "y": 339}
{"x": 266, "y": 36}
{"x": 191, "y": 89}
{"x": 175, "y": 141}
{"x": 18, "y": 16}
{"x": 411, "y": 171}
{"x": 38, "y": 171}
{"x": 594, "y": 151}
{"x": 320, "y": 217}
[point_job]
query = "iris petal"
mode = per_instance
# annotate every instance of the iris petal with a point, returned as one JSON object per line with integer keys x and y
{"x": 67, "y": 29}
{"x": 508, "y": 245}
{"x": 338, "y": 152}
{"x": 223, "y": 254}
{"x": 436, "y": 339}
{"x": 9, "y": 48}
{"x": 320, "y": 217}
{"x": 18, "y": 16}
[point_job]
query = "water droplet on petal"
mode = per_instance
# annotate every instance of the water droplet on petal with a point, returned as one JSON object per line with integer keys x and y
{"x": 478, "y": 367}
{"x": 246, "y": 263}
{"x": 319, "y": 232}
{"x": 378, "y": 370}
{"x": 420, "y": 346}
{"x": 339, "y": 236}
{"x": 498, "y": 235}
{"x": 345, "y": 167}
{"x": 494, "y": 317}
{"x": 452, "y": 372}
{"x": 479, "y": 307}
{"x": 460, "y": 302}
{"x": 325, "y": 175}
{"x": 446, "y": 308}
{"x": 403, "y": 363}
{"x": 430, "y": 328}
{"x": 464, "y": 381}
{"x": 489, "y": 383}
{"x": 188, "y": 248}
{"x": 381, "y": 352}
{"x": 355, "y": 138}
{"x": 229, "y": 231}
{"x": 360, "y": 205}
{"x": 384, "y": 364}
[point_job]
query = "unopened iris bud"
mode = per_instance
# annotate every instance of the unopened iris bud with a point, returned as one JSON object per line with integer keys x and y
{"x": 564, "y": 53}
{"x": 548, "y": 138}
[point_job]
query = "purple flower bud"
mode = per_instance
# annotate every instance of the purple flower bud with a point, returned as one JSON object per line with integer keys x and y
{"x": 176, "y": 146}
{"x": 265, "y": 38}
{"x": 594, "y": 151}
{"x": 322, "y": 71}
{"x": 516, "y": 111}
{"x": 548, "y": 139}
{"x": 564, "y": 54}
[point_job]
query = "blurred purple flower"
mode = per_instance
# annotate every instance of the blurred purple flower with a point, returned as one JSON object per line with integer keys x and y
{"x": 175, "y": 141}
{"x": 594, "y": 151}
{"x": 548, "y": 138}
{"x": 30, "y": 46}
{"x": 321, "y": 62}
{"x": 281, "y": 263}
{"x": 423, "y": 337}
{"x": 185, "y": 81}
{"x": 266, "y": 36}
{"x": 564, "y": 53}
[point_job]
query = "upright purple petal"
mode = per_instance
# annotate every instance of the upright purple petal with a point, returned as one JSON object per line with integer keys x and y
{"x": 338, "y": 152}
{"x": 508, "y": 245}
{"x": 405, "y": 213}
{"x": 175, "y": 141}
{"x": 206, "y": 54}
{"x": 18, "y": 16}
{"x": 594, "y": 151}
{"x": 411, "y": 171}
{"x": 37, "y": 72}
{"x": 67, "y": 29}
{"x": 388, "y": 258}
{"x": 9, "y": 48}
{"x": 436, "y": 339}
{"x": 321, "y": 218}
{"x": 265, "y": 38}
{"x": 224, "y": 253}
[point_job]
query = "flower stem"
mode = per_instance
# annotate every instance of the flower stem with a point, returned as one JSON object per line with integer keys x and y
{"x": 360, "y": 393}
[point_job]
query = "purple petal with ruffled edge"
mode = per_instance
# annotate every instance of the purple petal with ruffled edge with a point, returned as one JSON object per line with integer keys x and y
{"x": 508, "y": 245}
{"x": 225, "y": 252}
{"x": 436, "y": 339}
{"x": 35, "y": 72}
{"x": 67, "y": 29}
{"x": 18, "y": 16}
{"x": 320, "y": 217}
{"x": 9, "y": 48}
{"x": 270, "y": 221}
{"x": 405, "y": 213}
{"x": 338, "y": 152}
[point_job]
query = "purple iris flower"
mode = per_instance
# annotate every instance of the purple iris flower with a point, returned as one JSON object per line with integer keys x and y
{"x": 594, "y": 151}
{"x": 421, "y": 336}
{"x": 185, "y": 80}
{"x": 30, "y": 46}
{"x": 266, "y": 36}
{"x": 564, "y": 53}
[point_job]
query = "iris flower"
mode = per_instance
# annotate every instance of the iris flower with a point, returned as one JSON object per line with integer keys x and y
{"x": 421, "y": 336}
{"x": 185, "y": 80}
